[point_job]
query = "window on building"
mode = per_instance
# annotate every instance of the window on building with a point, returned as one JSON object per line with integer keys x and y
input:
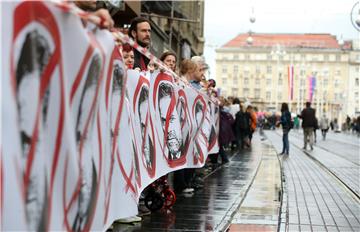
{"x": 337, "y": 72}
{"x": 302, "y": 72}
{"x": 268, "y": 82}
{"x": 246, "y": 81}
{"x": 224, "y": 69}
{"x": 326, "y": 72}
{"x": 269, "y": 57}
{"x": 315, "y": 58}
{"x": 302, "y": 82}
{"x": 235, "y": 81}
{"x": 356, "y": 96}
{"x": 234, "y": 91}
{"x": 257, "y": 93}
{"x": 269, "y": 69}
{"x": 326, "y": 82}
{"x": 337, "y": 57}
{"x": 336, "y": 96}
{"x": 257, "y": 81}
{"x": 337, "y": 83}
{"x": 247, "y": 56}
{"x": 224, "y": 80}
{"x": 268, "y": 95}
{"x": 258, "y": 69}
{"x": 280, "y": 82}
{"x": 326, "y": 57}
{"x": 236, "y": 56}
{"x": 236, "y": 69}
{"x": 357, "y": 81}
{"x": 246, "y": 92}
{"x": 279, "y": 96}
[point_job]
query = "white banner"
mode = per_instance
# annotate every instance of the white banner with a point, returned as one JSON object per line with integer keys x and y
{"x": 82, "y": 136}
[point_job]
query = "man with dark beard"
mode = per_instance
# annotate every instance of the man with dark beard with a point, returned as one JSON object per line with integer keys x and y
{"x": 140, "y": 31}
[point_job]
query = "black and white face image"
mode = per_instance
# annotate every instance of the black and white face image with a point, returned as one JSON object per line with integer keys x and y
{"x": 184, "y": 124}
{"x": 212, "y": 136}
{"x": 170, "y": 121}
{"x": 34, "y": 56}
{"x": 117, "y": 89}
{"x": 148, "y": 149}
{"x": 84, "y": 127}
{"x": 118, "y": 79}
{"x": 87, "y": 98}
{"x": 199, "y": 113}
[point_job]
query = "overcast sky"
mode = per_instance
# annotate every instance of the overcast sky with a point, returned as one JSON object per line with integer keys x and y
{"x": 224, "y": 19}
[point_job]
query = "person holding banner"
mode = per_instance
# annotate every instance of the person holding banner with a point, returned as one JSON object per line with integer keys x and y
{"x": 140, "y": 31}
{"x": 199, "y": 73}
{"x": 128, "y": 55}
{"x": 169, "y": 59}
{"x": 103, "y": 14}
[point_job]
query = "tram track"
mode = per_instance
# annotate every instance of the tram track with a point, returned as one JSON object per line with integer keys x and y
{"x": 355, "y": 193}
{"x": 299, "y": 136}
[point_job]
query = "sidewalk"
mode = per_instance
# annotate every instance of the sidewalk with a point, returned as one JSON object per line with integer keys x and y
{"x": 216, "y": 206}
{"x": 259, "y": 210}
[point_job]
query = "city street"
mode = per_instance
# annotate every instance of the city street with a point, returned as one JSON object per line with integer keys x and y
{"x": 320, "y": 190}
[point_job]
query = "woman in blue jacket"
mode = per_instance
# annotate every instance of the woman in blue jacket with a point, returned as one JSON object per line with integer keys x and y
{"x": 285, "y": 121}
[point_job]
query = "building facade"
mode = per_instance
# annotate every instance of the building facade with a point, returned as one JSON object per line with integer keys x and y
{"x": 176, "y": 25}
{"x": 325, "y": 72}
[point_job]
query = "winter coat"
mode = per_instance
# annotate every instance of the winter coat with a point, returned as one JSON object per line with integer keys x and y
{"x": 285, "y": 120}
{"x": 226, "y": 134}
{"x": 308, "y": 117}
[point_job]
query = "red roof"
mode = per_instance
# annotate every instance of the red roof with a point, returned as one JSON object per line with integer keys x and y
{"x": 286, "y": 40}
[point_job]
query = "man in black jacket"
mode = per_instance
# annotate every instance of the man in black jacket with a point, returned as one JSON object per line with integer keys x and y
{"x": 308, "y": 124}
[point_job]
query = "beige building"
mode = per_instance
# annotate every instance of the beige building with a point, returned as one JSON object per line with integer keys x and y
{"x": 256, "y": 69}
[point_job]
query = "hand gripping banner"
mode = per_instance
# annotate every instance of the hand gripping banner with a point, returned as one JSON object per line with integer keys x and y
{"x": 82, "y": 135}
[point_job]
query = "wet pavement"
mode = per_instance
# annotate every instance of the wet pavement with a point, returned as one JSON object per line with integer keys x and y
{"x": 314, "y": 199}
{"x": 319, "y": 190}
{"x": 259, "y": 210}
{"x": 210, "y": 208}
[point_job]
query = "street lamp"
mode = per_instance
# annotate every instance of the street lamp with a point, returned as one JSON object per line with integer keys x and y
{"x": 279, "y": 52}
{"x": 355, "y": 18}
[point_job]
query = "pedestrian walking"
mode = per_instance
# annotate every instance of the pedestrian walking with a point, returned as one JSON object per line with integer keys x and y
{"x": 308, "y": 124}
{"x": 285, "y": 121}
{"x": 324, "y": 126}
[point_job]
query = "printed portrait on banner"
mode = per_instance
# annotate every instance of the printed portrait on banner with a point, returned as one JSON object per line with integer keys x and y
{"x": 121, "y": 161}
{"x": 143, "y": 129}
{"x": 169, "y": 129}
{"x": 84, "y": 130}
{"x": 37, "y": 81}
{"x": 185, "y": 120}
{"x": 200, "y": 143}
{"x": 212, "y": 112}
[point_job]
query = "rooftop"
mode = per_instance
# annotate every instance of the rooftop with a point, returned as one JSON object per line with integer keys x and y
{"x": 320, "y": 41}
